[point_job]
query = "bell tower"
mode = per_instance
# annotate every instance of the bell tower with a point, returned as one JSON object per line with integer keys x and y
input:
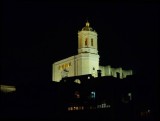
{"x": 87, "y": 40}
{"x": 87, "y": 60}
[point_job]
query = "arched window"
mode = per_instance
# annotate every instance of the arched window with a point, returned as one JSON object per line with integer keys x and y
{"x": 92, "y": 42}
{"x": 86, "y": 42}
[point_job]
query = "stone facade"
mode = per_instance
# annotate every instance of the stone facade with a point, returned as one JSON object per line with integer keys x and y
{"x": 87, "y": 60}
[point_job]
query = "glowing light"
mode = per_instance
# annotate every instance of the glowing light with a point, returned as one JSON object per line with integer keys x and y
{"x": 77, "y": 81}
{"x": 130, "y": 96}
{"x": 104, "y": 105}
{"x": 7, "y": 88}
{"x": 108, "y": 106}
{"x": 93, "y": 94}
{"x": 76, "y": 108}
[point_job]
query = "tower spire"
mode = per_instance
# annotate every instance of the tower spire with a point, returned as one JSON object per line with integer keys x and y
{"x": 87, "y": 23}
{"x": 87, "y": 27}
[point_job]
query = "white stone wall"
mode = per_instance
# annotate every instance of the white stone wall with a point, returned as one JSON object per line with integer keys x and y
{"x": 80, "y": 64}
{"x": 108, "y": 71}
{"x": 59, "y": 66}
{"x": 86, "y": 62}
{"x": 102, "y": 68}
{"x": 127, "y": 72}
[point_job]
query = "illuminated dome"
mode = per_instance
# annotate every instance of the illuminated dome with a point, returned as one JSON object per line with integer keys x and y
{"x": 87, "y": 27}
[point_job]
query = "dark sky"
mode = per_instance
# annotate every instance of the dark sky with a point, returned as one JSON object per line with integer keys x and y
{"x": 36, "y": 34}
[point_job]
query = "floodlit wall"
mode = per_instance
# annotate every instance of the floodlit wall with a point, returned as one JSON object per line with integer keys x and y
{"x": 58, "y": 68}
{"x": 115, "y": 72}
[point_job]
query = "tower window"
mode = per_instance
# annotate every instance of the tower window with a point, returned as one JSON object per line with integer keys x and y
{"x": 86, "y": 42}
{"x": 92, "y": 42}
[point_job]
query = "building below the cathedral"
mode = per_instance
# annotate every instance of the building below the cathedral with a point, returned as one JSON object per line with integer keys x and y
{"x": 86, "y": 61}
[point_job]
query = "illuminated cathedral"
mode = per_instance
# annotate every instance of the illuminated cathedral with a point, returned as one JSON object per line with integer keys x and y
{"x": 86, "y": 61}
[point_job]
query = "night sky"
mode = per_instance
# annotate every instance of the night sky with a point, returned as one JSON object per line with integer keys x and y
{"x": 36, "y": 34}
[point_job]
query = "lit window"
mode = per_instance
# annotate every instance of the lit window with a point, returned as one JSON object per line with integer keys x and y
{"x": 76, "y": 108}
{"x": 104, "y": 105}
{"x": 130, "y": 96}
{"x": 93, "y": 95}
{"x": 66, "y": 65}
